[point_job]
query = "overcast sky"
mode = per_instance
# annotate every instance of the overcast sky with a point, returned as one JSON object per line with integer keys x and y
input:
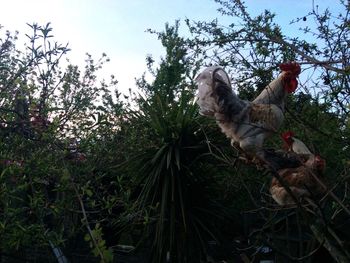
{"x": 117, "y": 27}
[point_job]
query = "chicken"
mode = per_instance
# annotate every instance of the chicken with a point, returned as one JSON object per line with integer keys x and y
{"x": 301, "y": 181}
{"x": 246, "y": 123}
{"x": 295, "y": 145}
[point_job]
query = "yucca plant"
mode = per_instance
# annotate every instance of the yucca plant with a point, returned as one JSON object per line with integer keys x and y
{"x": 172, "y": 173}
{"x": 176, "y": 186}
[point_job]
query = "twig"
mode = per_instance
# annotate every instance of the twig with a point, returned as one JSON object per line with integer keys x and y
{"x": 331, "y": 193}
{"x": 322, "y": 237}
{"x": 86, "y": 222}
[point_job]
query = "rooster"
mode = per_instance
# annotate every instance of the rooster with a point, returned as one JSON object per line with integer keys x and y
{"x": 246, "y": 123}
{"x": 303, "y": 181}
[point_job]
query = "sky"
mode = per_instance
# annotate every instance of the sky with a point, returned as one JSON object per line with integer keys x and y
{"x": 117, "y": 27}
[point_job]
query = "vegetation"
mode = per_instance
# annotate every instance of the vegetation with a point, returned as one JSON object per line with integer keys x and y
{"x": 85, "y": 170}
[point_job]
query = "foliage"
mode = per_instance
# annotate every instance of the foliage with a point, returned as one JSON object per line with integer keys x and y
{"x": 251, "y": 48}
{"x": 49, "y": 121}
{"x": 175, "y": 179}
{"x": 83, "y": 170}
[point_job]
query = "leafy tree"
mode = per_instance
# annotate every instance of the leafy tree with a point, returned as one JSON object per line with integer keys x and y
{"x": 251, "y": 48}
{"x": 83, "y": 170}
{"x": 50, "y": 121}
{"x": 175, "y": 183}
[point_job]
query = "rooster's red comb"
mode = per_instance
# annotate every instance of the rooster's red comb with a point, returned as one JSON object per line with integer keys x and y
{"x": 292, "y": 67}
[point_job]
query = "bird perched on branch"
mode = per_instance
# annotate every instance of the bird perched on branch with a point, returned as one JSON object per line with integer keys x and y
{"x": 304, "y": 181}
{"x": 246, "y": 123}
{"x": 295, "y": 145}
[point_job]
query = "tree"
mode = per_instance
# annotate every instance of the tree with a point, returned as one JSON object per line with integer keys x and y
{"x": 175, "y": 192}
{"x": 83, "y": 170}
{"x": 252, "y": 47}
{"x": 50, "y": 121}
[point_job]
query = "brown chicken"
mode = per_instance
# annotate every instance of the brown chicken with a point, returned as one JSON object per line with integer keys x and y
{"x": 301, "y": 181}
